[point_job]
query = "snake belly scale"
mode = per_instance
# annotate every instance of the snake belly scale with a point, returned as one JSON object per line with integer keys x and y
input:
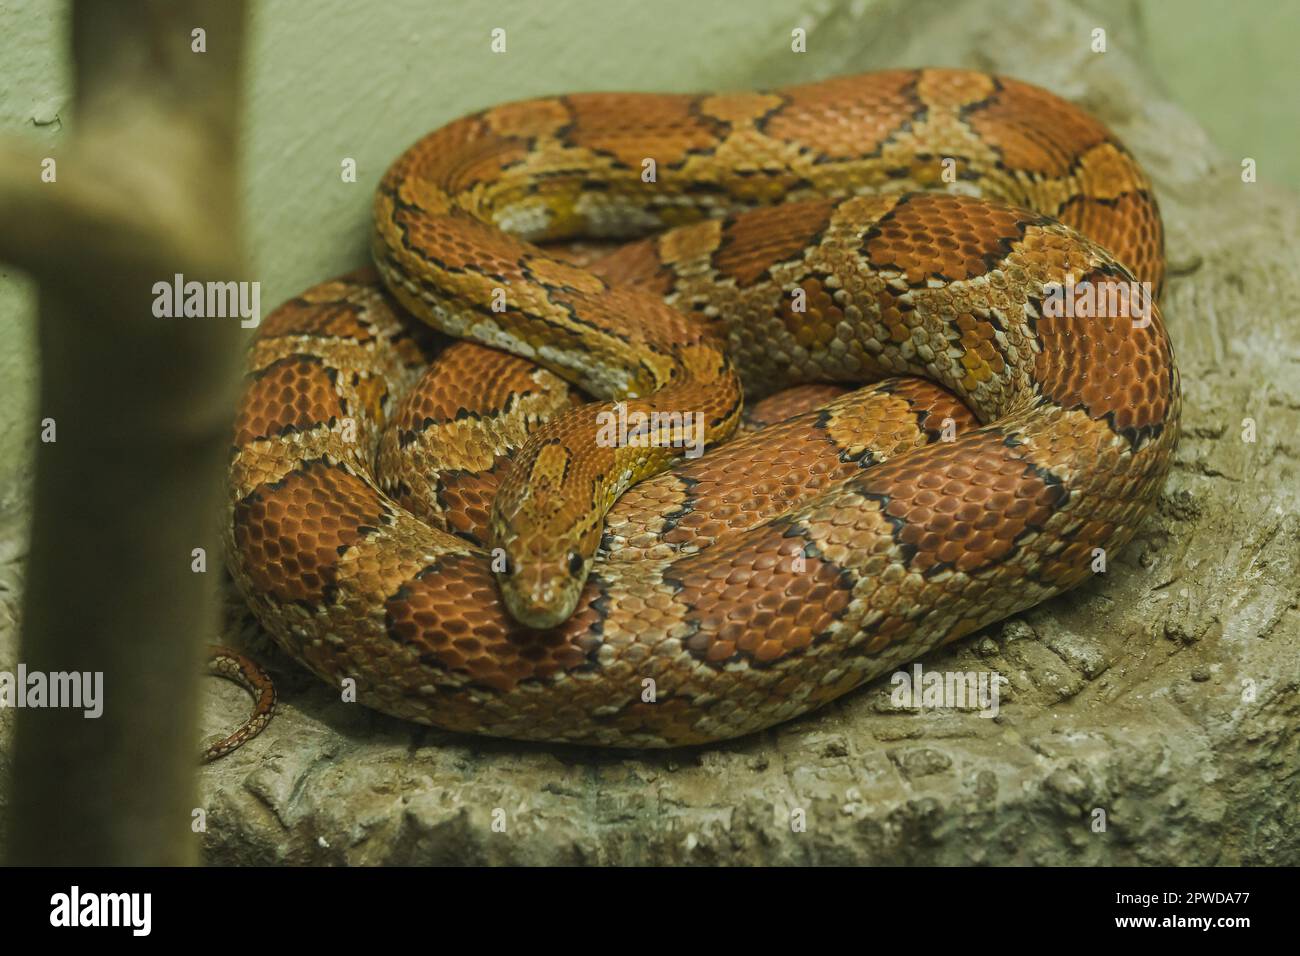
{"x": 904, "y": 229}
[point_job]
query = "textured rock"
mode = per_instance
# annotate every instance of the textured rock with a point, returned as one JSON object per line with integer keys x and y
{"x": 1161, "y": 697}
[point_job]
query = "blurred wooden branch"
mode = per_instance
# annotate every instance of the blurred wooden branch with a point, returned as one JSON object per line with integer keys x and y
{"x": 141, "y": 404}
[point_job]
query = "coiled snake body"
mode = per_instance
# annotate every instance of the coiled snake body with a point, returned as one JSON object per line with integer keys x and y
{"x": 911, "y": 229}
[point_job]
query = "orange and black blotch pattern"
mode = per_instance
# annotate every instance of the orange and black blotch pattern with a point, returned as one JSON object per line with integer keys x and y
{"x": 291, "y": 533}
{"x": 845, "y": 532}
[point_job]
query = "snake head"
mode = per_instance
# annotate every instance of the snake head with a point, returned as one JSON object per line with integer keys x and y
{"x": 542, "y": 591}
{"x": 546, "y": 531}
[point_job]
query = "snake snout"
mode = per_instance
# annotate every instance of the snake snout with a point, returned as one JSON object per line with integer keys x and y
{"x": 538, "y": 595}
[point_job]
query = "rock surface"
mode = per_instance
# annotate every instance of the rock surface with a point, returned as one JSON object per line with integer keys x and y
{"x": 1149, "y": 717}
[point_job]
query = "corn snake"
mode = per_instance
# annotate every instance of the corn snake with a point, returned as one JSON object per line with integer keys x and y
{"x": 787, "y": 567}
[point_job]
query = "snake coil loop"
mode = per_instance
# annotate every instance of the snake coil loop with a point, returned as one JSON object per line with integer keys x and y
{"x": 985, "y": 254}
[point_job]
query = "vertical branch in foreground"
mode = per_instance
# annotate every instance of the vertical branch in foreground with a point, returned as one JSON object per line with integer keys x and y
{"x": 141, "y": 406}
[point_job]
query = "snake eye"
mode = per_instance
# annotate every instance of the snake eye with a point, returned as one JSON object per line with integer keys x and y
{"x": 576, "y": 563}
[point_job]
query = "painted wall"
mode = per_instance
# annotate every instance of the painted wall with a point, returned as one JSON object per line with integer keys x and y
{"x": 34, "y": 84}
{"x": 1235, "y": 67}
{"x": 336, "y": 79}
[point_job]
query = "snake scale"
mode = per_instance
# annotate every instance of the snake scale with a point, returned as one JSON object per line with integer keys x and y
{"x": 401, "y": 503}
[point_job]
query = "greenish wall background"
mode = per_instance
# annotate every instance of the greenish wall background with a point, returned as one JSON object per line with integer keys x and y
{"x": 34, "y": 84}
{"x": 330, "y": 79}
{"x": 1235, "y": 67}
